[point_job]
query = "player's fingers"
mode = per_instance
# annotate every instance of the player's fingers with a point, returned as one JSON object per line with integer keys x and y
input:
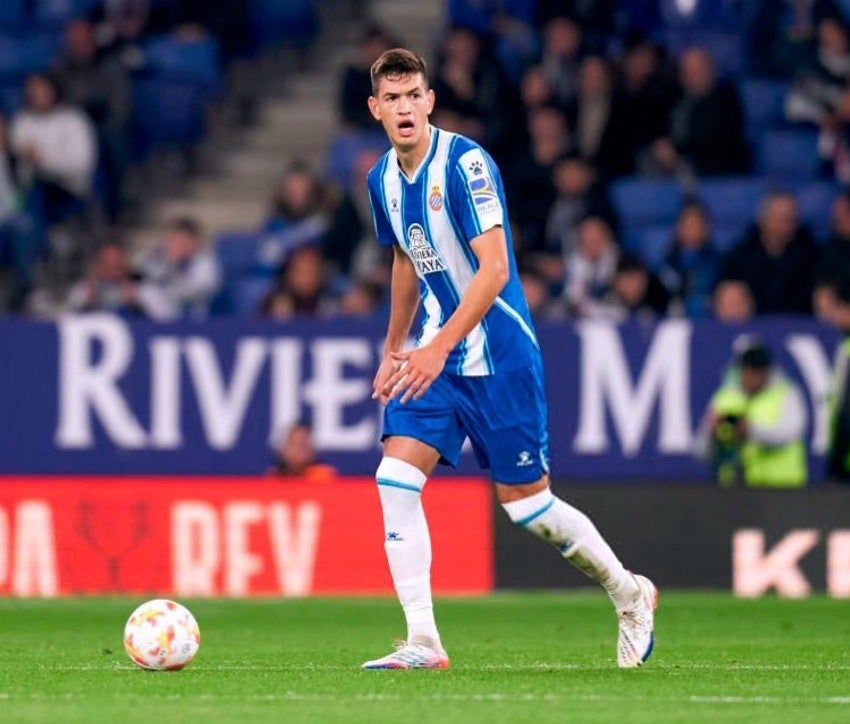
{"x": 413, "y": 389}
{"x": 403, "y": 385}
{"x": 394, "y": 379}
{"x": 423, "y": 388}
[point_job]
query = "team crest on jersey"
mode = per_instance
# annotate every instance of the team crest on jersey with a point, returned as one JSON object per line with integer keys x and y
{"x": 425, "y": 258}
{"x": 435, "y": 200}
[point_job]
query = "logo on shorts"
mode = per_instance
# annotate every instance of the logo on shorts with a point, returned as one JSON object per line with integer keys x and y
{"x": 435, "y": 200}
{"x": 525, "y": 459}
{"x": 425, "y": 257}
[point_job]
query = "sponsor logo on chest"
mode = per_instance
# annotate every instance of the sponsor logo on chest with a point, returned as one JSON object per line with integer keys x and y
{"x": 425, "y": 257}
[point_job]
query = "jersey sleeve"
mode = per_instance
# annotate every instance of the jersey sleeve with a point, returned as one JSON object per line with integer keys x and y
{"x": 383, "y": 228}
{"x": 476, "y": 201}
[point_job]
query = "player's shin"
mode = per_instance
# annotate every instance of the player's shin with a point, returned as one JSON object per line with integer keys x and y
{"x": 408, "y": 544}
{"x": 573, "y": 534}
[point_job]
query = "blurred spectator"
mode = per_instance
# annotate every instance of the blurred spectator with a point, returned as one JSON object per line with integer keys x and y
{"x": 535, "y": 89}
{"x": 181, "y": 275}
{"x": 529, "y": 178}
{"x": 820, "y": 85}
{"x": 706, "y": 132}
{"x": 20, "y": 244}
{"x": 648, "y": 95}
{"x": 470, "y": 85}
{"x": 100, "y": 85}
{"x": 56, "y": 150}
{"x": 595, "y": 16}
{"x": 295, "y": 457}
{"x": 821, "y": 94}
{"x": 600, "y": 129}
{"x": 225, "y": 20}
{"x": 753, "y": 430}
{"x": 536, "y": 287}
{"x": 838, "y": 450}
{"x": 834, "y": 264}
{"x": 369, "y": 261}
{"x": 692, "y": 264}
{"x": 361, "y": 299}
{"x": 733, "y": 302}
{"x": 776, "y": 259}
{"x": 309, "y": 211}
{"x": 591, "y": 267}
{"x": 579, "y": 194}
{"x": 561, "y": 58}
{"x": 635, "y": 293}
{"x": 109, "y": 286}
{"x": 122, "y": 25}
{"x": 300, "y": 287}
{"x": 356, "y": 84}
{"x": 780, "y": 33}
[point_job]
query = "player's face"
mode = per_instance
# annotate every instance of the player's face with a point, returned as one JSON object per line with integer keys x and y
{"x": 402, "y": 105}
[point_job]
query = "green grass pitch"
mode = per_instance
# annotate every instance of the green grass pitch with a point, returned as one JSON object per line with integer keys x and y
{"x": 543, "y": 657}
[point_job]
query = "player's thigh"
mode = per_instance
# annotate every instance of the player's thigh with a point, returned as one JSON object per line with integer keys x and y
{"x": 508, "y": 427}
{"x": 424, "y": 431}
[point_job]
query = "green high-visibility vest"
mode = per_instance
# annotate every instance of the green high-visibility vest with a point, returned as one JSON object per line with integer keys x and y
{"x": 782, "y": 466}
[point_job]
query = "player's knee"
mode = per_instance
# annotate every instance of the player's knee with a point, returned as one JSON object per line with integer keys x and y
{"x": 396, "y": 474}
{"x": 512, "y": 493}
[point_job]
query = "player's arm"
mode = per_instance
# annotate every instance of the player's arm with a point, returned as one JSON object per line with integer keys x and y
{"x": 404, "y": 301}
{"x": 424, "y": 364}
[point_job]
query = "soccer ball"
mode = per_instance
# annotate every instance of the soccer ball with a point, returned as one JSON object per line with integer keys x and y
{"x": 161, "y": 635}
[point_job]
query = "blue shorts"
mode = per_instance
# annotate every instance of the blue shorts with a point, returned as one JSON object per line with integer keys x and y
{"x": 504, "y": 416}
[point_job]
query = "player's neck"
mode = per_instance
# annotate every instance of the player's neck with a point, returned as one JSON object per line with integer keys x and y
{"x": 411, "y": 158}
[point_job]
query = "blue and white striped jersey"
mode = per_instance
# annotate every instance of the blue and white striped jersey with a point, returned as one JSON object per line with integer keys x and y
{"x": 455, "y": 195}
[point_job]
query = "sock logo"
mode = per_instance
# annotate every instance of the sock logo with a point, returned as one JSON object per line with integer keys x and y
{"x": 393, "y": 536}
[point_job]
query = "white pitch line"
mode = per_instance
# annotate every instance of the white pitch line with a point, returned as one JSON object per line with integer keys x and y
{"x": 533, "y": 666}
{"x": 483, "y": 697}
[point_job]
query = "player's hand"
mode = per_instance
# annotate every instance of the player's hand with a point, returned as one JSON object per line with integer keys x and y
{"x": 420, "y": 367}
{"x": 387, "y": 369}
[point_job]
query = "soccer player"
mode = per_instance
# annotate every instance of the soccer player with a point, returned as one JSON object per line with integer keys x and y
{"x": 476, "y": 369}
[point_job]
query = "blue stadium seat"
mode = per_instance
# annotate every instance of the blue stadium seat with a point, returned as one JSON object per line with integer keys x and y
{"x": 237, "y": 252}
{"x": 192, "y": 61}
{"x": 12, "y": 14}
{"x": 732, "y": 200}
{"x": 815, "y": 201}
{"x": 725, "y": 236}
{"x": 344, "y": 150}
{"x": 167, "y": 113}
{"x": 11, "y": 97}
{"x": 701, "y": 13}
{"x": 55, "y": 13}
{"x": 650, "y": 243}
{"x": 641, "y": 202}
{"x": 275, "y": 22}
{"x": 791, "y": 154}
{"x": 248, "y": 293}
{"x": 764, "y": 105}
{"x": 726, "y": 48}
{"x": 22, "y": 55}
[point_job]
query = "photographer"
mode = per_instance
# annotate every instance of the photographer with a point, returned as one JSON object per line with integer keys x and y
{"x": 753, "y": 430}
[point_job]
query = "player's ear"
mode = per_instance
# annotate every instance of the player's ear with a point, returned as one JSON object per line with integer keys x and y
{"x": 431, "y": 99}
{"x": 373, "y": 108}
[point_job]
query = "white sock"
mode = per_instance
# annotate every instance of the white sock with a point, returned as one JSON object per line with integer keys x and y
{"x": 576, "y": 538}
{"x": 408, "y": 544}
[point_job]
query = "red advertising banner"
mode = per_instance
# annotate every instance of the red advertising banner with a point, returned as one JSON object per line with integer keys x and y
{"x": 227, "y": 536}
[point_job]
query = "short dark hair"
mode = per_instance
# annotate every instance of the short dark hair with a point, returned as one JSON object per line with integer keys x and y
{"x": 186, "y": 225}
{"x": 397, "y": 63}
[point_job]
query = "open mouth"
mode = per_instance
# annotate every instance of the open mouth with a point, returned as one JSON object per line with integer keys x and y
{"x": 405, "y": 128}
